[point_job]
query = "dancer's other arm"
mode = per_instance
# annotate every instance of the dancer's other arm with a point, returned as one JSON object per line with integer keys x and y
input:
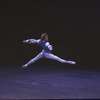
{"x": 49, "y": 46}
{"x": 31, "y": 41}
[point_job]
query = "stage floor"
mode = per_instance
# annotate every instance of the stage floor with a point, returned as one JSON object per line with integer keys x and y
{"x": 48, "y": 82}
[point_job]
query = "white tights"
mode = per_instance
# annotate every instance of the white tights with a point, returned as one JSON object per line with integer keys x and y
{"x": 48, "y": 56}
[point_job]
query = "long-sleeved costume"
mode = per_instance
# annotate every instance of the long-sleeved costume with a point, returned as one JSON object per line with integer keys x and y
{"x": 46, "y": 52}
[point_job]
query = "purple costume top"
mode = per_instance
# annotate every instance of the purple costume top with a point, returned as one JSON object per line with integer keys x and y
{"x": 45, "y": 45}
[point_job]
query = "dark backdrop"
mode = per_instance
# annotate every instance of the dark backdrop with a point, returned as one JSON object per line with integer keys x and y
{"x": 73, "y": 27}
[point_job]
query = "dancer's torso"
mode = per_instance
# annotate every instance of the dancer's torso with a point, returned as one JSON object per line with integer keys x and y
{"x": 45, "y": 48}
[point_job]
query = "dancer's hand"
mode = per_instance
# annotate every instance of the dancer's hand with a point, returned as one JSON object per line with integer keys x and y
{"x": 24, "y": 41}
{"x": 51, "y": 49}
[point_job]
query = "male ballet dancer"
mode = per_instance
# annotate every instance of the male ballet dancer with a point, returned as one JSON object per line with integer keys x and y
{"x": 46, "y": 52}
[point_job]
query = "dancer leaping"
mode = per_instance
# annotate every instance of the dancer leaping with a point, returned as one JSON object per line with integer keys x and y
{"x": 46, "y": 52}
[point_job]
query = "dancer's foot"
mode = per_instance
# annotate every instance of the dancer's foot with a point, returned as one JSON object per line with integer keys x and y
{"x": 71, "y": 62}
{"x": 24, "y": 66}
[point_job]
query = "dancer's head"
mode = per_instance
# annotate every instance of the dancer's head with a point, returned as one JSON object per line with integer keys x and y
{"x": 44, "y": 37}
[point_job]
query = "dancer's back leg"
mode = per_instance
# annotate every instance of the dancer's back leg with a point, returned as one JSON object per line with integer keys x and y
{"x": 51, "y": 56}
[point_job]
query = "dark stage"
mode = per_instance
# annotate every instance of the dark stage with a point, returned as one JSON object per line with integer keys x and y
{"x": 53, "y": 81}
{"x": 73, "y": 27}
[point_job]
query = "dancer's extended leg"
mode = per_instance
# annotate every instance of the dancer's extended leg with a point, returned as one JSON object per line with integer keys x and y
{"x": 51, "y": 56}
{"x": 40, "y": 55}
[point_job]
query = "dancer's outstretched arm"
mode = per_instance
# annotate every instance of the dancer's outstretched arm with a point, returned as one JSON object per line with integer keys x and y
{"x": 31, "y": 41}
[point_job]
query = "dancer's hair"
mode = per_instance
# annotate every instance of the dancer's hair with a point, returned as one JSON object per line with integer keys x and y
{"x": 43, "y": 36}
